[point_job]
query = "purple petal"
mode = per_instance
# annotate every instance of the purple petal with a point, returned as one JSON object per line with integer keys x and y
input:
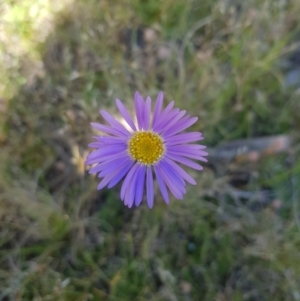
{"x": 119, "y": 176}
{"x": 127, "y": 196}
{"x": 178, "y": 124}
{"x": 107, "y": 129}
{"x": 170, "y": 123}
{"x": 150, "y": 188}
{"x": 112, "y": 167}
{"x": 128, "y": 180}
{"x": 168, "y": 118}
{"x": 95, "y": 144}
{"x": 185, "y": 138}
{"x": 168, "y": 108}
{"x": 163, "y": 114}
{"x": 190, "y": 149}
{"x": 188, "y": 152}
{"x": 180, "y": 171}
{"x": 106, "y": 157}
{"x": 161, "y": 184}
{"x": 124, "y": 112}
{"x": 174, "y": 176}
{"x": 112, "y": 140}
{"x": 173, "y": 188}
{"x": 106, "y": 150}
{"x": 147, "y": 113}
{"x": 130, "y": 193}
{"x": 107, "y": 163}
{"x": 185, "y": 161}
{"x": 113, "y": 122}
{"x": 139, "y": 109}
{"x": 157, "y": 109}
{"x": 182, "y": 125}
{"x": 170, "y": 151}
{"x": 140, "y": 185}
{"x": 107, "y": 179}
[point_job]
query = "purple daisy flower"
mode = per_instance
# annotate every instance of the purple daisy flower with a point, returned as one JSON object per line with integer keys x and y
{"x": 150, "y": 146}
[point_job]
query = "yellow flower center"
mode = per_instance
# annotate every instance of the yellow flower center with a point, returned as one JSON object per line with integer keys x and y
{"x": 146, "y": 147}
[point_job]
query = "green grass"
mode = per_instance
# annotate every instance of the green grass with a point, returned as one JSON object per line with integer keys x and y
{"x": 223, "y": 61}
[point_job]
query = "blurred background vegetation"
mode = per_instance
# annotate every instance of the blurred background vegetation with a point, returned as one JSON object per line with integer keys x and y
{"x": 234, "y": 64}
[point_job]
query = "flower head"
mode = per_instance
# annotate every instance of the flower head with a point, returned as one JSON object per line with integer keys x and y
{"x": 146, "y": 148}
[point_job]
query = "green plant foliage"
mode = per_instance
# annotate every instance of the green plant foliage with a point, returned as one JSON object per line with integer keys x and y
{"x": 227, "y": 62}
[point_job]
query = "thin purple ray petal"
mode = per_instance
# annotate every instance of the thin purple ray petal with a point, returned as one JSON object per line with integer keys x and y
{"x": 107, "y": 129}
{"x": 190, "y": 149}
{"x": 184, "y": 154}
{"x": 140, "y": 185}
{"x": 174, "y": 176}
{"x": 131, "y": 191}
{"x": 113, "y": 122}
{"x": 128, "y": 180}
{"x": 112, "y": 140}
{"x": 139, "y": 106}
{"x": 180, "y": 171}
{"x": 185, "y": 161}
{"x": 182, "y": 125}
{"x": 112, "y": 167}
{"x": 108, "y": 139}
{"x": 157, "y": 109}
{"x": 168, "y": 118}
{"x": 173, "y": 188}
{"x": 147, "y": 113}
{"x": 107, "y": 163}
{"x": 170, "y": 123}
{"x": 119, "y": 176}
{"x": 106, "y": 157}
{"x": 187, "y": 152}
{"x": 107, "y": 179}
{"x": 106, "y": 150}
{"x": 161, "y": 184}
{"x": 185, "y": 138}
{"x": 150, "y": 188}
{"x": 95, "y": 144}
{"x": 178, "y": 124}
{"x": 163, "y": 114}
{"x": 124, "y": 112}
{"x": 127, "y": 196}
